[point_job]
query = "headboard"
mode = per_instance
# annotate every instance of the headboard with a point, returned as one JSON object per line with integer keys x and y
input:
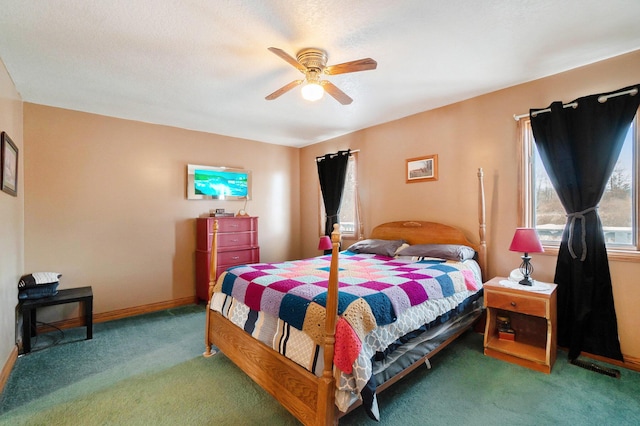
{"x": 421, "y": 232}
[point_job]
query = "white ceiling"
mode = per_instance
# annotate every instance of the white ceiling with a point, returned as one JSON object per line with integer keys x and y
{"x": 204, "y": 65}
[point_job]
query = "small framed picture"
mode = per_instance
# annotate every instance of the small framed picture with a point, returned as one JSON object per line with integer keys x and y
{"x": 422, "y": 169}
{"x": 9, "y": 171}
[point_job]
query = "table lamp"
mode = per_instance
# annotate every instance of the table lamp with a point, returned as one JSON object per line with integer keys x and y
{"x": 526, "y": 241}
{"x": 325, "y": 243}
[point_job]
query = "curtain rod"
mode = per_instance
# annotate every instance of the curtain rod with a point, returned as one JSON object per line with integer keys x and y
{"x": 601, "y": 99}
{"x": 320, "y": 158}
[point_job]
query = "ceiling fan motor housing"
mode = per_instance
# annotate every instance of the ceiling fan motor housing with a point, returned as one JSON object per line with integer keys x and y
{"x": 313, "y": 58}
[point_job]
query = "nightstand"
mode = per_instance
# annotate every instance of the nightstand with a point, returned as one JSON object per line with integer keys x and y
{"x": 531, "y": 317}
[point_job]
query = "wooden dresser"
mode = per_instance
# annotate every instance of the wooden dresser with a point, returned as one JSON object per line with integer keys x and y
{"x": 237, "y": 245}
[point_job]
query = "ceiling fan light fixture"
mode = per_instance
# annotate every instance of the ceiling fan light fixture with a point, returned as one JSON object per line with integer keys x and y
{"x": 312, "y": 91}
{"x": 312, "y": 62}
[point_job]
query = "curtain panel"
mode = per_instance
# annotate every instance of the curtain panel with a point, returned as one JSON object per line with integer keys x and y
{"x": 332, "y": 172}
{"x": 579, "y": 148}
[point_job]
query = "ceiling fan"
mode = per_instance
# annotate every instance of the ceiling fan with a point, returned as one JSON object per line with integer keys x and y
{"x": 312, "y": 63}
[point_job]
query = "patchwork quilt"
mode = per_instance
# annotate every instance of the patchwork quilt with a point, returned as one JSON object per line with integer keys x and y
{"x": 380, "y": 299}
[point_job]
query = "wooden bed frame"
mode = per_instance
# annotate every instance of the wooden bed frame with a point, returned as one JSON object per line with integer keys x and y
{"x": 309, "y": 398}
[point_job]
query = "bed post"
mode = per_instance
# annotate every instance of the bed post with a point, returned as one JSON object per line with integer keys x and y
{"x": 482, "y": 255}
{"x": 212, "y": 281}
{"x": 326, "y": 388}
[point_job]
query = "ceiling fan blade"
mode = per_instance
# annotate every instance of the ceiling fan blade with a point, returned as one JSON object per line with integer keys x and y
{"x": 352, "y": 66}
{"x": 288, "y": 58}
{"x": 338, "y": 94}
{"x": 284, "y": 89}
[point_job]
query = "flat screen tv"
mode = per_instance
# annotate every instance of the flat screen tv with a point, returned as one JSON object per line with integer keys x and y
{"x": 218, "y": 183}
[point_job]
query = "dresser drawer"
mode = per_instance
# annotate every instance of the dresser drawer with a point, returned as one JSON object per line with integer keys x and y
{"x": 515, "y": 303}
{"x": 238, "y": 257}
{"x": 235, "y": 224}
{"x": 240, "y": 239}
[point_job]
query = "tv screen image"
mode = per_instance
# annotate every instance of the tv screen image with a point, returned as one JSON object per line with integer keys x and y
{"x": 218, "y": 183}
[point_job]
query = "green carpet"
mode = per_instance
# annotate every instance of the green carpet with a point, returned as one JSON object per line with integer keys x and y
{"x": 149, "y": 370}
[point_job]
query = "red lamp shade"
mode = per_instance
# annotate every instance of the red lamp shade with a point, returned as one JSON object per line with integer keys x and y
{"x": 526, "y": 240}
{"x": 325, "y": 243}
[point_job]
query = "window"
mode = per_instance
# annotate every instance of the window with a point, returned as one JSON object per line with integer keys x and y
{"x": 618, "y": 208}
{"x": 349, "y": 206}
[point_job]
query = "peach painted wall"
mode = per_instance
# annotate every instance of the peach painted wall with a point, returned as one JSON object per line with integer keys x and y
{"x": 479, "y": 132}
{"x": 11, "y": 219}
{"x": 105, "y": 203}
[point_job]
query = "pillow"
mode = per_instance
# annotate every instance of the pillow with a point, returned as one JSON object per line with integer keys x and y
{"x": 442, "y": 251}
{"x": 381, "y": 247}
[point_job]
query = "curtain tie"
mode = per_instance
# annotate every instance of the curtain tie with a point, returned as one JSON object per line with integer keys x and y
{"x": 579, "y": 215}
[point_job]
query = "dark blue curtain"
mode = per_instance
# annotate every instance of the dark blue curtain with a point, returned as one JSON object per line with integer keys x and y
{"x": 332, "y": 172}
{"x": 579, "y": 148}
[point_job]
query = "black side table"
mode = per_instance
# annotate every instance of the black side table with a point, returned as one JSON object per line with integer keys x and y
{"x": 28, "y": 308}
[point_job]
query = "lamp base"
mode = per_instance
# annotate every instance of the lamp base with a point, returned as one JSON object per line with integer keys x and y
{"x": 526, "y": 281}
{"x": 526, "y": 268}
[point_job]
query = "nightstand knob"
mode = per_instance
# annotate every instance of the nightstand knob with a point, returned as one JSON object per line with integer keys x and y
{"x": 513, "y": 303}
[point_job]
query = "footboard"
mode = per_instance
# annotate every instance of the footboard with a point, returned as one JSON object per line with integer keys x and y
{"x": 307, "y": 397}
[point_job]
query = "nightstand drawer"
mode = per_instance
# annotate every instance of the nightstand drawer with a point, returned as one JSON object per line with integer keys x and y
{"x": 515, "y": 303}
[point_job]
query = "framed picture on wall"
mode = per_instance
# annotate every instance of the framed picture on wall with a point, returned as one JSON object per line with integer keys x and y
{"x": 422, "y": 169}
{"x": 9, "y": 171}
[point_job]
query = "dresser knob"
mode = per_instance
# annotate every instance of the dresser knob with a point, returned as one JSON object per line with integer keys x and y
{"x": 513, "y": 303}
